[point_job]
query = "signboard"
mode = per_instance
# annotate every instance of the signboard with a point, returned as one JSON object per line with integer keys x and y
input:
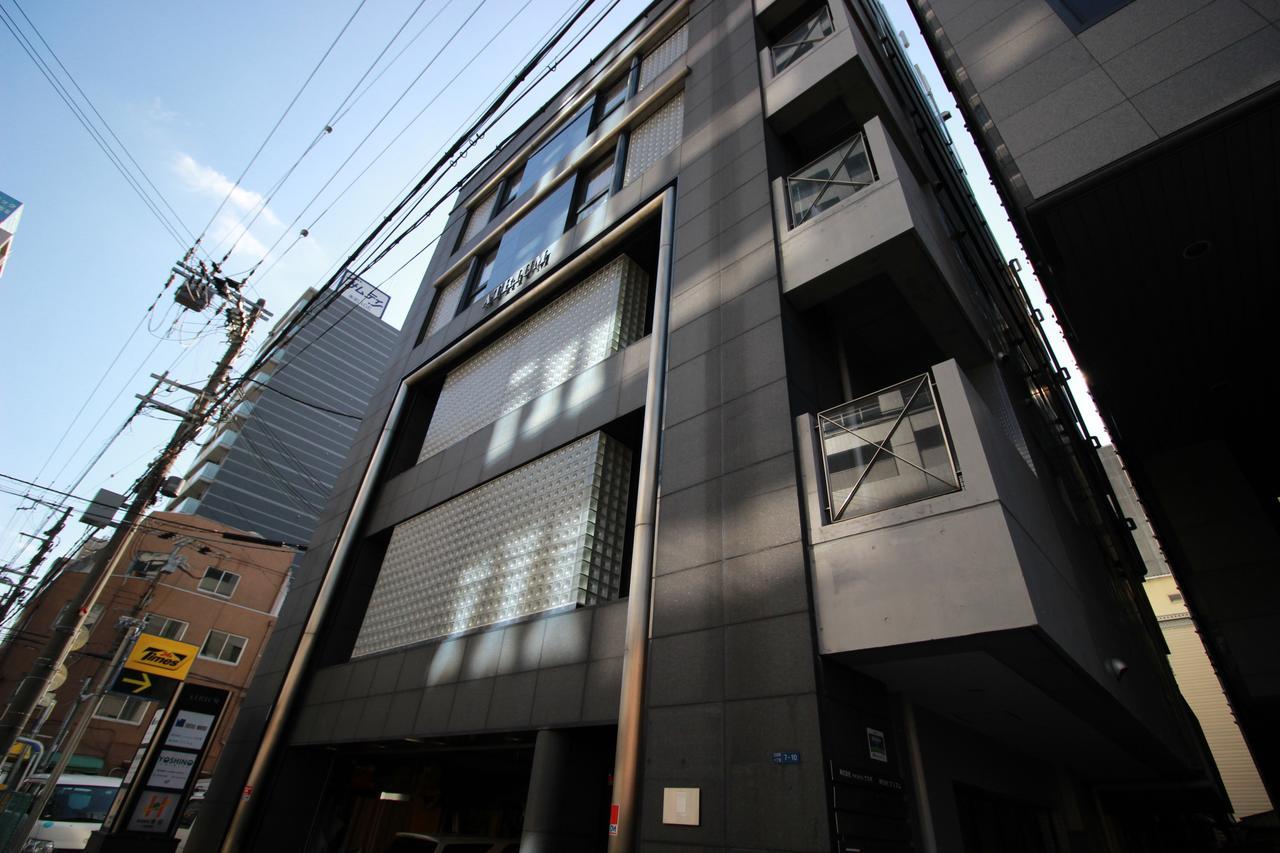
{"x": 877, "y": 748}
{"x": 364, "y": 294}
{"x": 155, "y": 811}
{"x": 168, "y": 771}
{"x": 161, "y": 656}
{"x": 786, "y": 758}
{"x": 519, "y": 278}
{"x": 141, "y": 685}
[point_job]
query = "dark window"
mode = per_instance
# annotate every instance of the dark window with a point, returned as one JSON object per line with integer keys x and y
{"x": 510, "y": 188}
{"x": 528, "y": 237}
{"x": 593, "y": 187}
{"x": 552, "y": 152}
{"x": 484, "y": 276}
{"x": 801, "y": 39}
{"x": 80, "y": 803}
{"x": 1079, "y": 15}
{"x": 608, "y": 101}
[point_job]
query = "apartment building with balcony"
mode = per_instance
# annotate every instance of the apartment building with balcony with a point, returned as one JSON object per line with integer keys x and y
{"x": 1134, "y": 143}
{"x": 272, "y": 462}
{"x": 717, "y": 386}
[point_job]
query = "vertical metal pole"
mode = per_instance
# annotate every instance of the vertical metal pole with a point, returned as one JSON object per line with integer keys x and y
{"x": 639, "y": 605}
{"x": 924, "y": 813}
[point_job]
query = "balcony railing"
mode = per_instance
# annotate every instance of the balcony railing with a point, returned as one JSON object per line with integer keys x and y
{"x": 813, "y": 31}
{"x": 830, "y": 179}
{"x": 884, "y": 450}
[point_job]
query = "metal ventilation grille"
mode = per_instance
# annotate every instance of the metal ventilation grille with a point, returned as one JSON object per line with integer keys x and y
{"x": 655, "y": 138}
{"x": 479, "y": 218}
{"x": 547, "y": 535}
{"x": 660, "y": 58}
{"x": 579, "y": 329}
{"x": 447, "y": 304}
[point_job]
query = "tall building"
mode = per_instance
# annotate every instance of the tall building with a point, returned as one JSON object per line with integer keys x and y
{"x": 1191, "y": 665}
{"x": 1135, "y": 144}
{"x": 10, "y": 214}
{"x": 271, "y": 464}
{"x": 192, "y": 584}
{"x": 881, "y": 599}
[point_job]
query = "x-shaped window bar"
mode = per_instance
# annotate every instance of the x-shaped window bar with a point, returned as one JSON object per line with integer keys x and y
{"x": 881, "y": 446}
{"x": 825, "y": 181}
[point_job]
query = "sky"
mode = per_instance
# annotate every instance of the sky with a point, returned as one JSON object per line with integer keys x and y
{"x": 192, "y": 91}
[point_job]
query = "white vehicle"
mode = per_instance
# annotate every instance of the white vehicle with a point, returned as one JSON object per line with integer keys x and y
{"x": 78, "y": 806}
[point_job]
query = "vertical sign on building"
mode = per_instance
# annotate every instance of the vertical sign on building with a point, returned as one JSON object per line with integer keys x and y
{"x": 168, "y": 774}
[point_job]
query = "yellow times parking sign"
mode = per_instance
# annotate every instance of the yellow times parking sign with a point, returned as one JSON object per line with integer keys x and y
{"x": 163, "y": 657}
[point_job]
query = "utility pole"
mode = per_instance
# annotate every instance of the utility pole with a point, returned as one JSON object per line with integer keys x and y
{"x": 45, "y": 545}
{"x": 36, "y": 683}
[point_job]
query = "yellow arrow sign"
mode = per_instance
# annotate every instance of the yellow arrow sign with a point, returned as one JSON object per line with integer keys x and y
{"x": 162, "y": 656}
{"x": 142, "y": 680}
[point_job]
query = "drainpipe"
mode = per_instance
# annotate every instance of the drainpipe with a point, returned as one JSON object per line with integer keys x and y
{"x": 622, "y": 819}
{"x": 273, "y": 733}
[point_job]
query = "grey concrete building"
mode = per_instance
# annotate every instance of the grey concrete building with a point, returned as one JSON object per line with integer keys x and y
{"x": 270, "y": 465}
{"x": 886, "y": 603}
{"x": 1135, "y": 145}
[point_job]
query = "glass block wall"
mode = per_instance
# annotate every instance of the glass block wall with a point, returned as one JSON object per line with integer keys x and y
{"x": 595, "y": 319}
{"x": 655, "y": 137}
{"x": 478, "y": 218}
{"x": 447, "y": 305}
{"x": 660, "y": 58}
{"x": 549, "y": 534}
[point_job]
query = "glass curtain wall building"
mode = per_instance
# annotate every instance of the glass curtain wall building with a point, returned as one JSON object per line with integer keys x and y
{"x": 886, "y": 602}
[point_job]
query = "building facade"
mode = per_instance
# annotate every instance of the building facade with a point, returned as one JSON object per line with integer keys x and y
{"x": 1196, "y": 677}
{"x": 272, "y": 462}
{"x": 1134, "y": 143}
{"x": 10, "y": 215}
{"x": 191, "y": 584}
{"x": 885, "y": 602}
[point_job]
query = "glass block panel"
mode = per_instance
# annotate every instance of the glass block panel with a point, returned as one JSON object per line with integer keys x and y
{"x": 478, "y": 218}
{"x": 550, "y": 534}
{"x": 655, "y": 137}
{"x": 595, "y": 319}
{"x": 830, "y": 179}
{"x": 884, "y": 450}
{"x": 660, "y": 58}
{"x": 804, "y": 38}
{"x": 447, "y": 305}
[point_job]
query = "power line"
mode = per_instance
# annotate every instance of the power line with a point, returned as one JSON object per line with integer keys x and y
{"x": 64, "y": 94}
{"x": 280, "y": 120}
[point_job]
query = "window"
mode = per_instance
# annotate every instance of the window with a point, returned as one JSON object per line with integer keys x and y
{"x": 532, "y": 234}
{"x": 1175, "y": 597}
{"x": 594, "y": 185}
{"x": 484, "y": 276}
{"x": 510, "y": 187}
{"x": 218, "y": 582}
{"x": 122, "y": 709}
{"x": 549, "y": 154}
{"x": 163, "y": 626}
{"x": 885, "y": 450}
{"x": 830, "y": 179}
{"x": 610, "y": 99}
{"x": 811, "y": 32}
{"x": 148, "y": 563}
{"x": 95, "y": 613}
{"x": 224, "y": 647}
{"x": 1079, "y": 15}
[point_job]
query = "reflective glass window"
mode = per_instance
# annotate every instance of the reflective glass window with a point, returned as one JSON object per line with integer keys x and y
{"x": 528, "y": 237}
{"x": 595, "y": 184}
{"x": 804, "y": 38}
{"x": 552, "y": 152}
{"x": 610, "y": 99}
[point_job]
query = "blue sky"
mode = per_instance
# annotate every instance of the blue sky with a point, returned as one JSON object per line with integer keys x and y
{"x": 192, "y": 90}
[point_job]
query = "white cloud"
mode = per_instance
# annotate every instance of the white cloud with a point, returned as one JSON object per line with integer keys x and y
{"x": 158, "y": 112}
{"x": 211, "y": 182}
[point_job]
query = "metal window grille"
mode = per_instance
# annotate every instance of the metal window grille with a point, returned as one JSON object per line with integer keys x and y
{"x": 885, "y": 449}
{"x": 804, "y": 38}
{"x": 830, "y": 179}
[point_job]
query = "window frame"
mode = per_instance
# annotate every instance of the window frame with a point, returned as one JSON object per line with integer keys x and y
{"x": 227, "y": 635}
{"x": 602, "y": 110}
{"x": 167, "y": 620}
{"x": 214, "y": 592}
{"x": 819, "y": 11}
{"x": 582, "y": 204}
{"x": 124, "y": 700}
{"x": 476, "y": 277}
